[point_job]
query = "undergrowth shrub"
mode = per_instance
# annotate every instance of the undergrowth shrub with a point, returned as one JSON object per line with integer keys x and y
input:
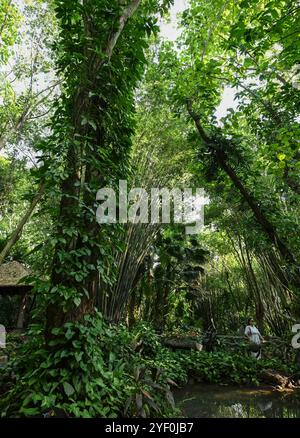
{"x": 88, "y": 370}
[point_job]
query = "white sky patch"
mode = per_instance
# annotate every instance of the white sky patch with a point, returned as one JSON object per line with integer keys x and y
{"x": 227, "y": 102}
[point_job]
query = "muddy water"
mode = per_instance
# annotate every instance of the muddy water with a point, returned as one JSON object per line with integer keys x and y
{"x": 217, "y": 401}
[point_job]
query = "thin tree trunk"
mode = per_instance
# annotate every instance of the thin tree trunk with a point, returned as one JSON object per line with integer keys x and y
{"x": 259, "y": 304}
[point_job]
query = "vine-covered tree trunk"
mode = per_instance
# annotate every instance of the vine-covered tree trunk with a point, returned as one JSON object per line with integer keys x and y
{"x": 78, "y": 232}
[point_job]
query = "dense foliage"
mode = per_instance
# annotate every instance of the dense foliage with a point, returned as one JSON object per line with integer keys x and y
{"x": 93, "y": 370}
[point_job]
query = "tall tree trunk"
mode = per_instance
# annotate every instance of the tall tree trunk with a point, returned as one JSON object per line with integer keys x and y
{"x": 260, "y": 217}
{"x": 84, "y": 104}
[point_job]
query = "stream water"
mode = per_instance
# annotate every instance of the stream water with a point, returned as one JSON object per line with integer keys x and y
{"x": 217, "y": 401}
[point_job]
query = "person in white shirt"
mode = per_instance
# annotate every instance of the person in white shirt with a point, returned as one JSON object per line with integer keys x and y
{"x": 254, "y": 337}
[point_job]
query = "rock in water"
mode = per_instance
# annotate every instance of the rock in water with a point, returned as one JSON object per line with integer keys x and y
{"x": 274, "y": 378}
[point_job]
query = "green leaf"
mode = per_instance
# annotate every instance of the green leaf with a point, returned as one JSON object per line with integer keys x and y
{"x": 281, "y": 157}
{"x": 77, "y": 301}
{"x": 93, "y": 124}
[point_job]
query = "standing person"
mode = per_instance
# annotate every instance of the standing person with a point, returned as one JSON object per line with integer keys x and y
{"x": 254, "y": 337}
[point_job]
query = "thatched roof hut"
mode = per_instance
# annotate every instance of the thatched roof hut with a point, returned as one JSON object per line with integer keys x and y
{"x": 11, "y": 273}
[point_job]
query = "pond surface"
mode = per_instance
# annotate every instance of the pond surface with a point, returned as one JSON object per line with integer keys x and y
{"x": 217, "y": 401}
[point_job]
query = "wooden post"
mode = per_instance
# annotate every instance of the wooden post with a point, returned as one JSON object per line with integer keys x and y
{"x": 22, "y": 290}
{"x": 21, "y": 311}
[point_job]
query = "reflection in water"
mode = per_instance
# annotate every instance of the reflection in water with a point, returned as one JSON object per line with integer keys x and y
{"x": 215, "y": 401}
